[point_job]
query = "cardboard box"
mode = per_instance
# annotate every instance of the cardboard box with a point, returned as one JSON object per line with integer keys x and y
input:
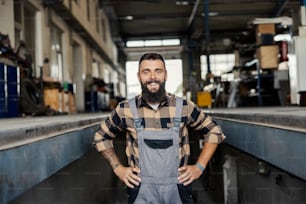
{"x": 51, "y": 98}
{"x": 65, "y": 102}
{"x": 268, "y": 56}
{"x": 265, "y": 28}
{"x": 72, "y": 105}
{"x": 265, "y": 34}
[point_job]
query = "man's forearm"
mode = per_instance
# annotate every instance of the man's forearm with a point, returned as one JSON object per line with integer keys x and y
{"x": 111, "y": 157}
{"x": 207, "y": 153}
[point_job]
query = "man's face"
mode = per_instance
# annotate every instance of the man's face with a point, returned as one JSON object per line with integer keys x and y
{"x": 152, "y": 75}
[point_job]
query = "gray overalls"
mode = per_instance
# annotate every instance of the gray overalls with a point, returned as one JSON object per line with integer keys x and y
{"x": 158, "y": 160}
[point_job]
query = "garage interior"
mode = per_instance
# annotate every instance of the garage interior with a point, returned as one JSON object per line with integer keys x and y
{"x": 63, "y": 68}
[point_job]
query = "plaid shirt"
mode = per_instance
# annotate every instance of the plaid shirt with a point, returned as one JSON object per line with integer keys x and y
{"x": 121, "y": 120}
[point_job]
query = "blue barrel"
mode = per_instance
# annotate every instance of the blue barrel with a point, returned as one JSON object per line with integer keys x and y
{"x": 13, "y": 91}
{"x": 13, "y": 82}
{"x": 13, "y": 107}
{"x": 12, "y": 74}
{"x": 2, "y": 81}
{"x": 3, "y": 91}
{"x": 3, "y": 107}
{"x": 3, "y": 100}
{"x": 2, "y": 72}
{"x": 9, "y": 91}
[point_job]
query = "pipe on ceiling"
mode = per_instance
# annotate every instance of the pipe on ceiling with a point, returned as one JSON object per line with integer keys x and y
{"x": 194, "y": 10}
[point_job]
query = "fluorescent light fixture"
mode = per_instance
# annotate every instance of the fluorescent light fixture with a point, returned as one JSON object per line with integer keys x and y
{"x": 126, "y": 18}
{"x": 135, "y": 43}
{"x": 152, "y": 43}
{"x": 213, "y": 13}
{"x": 170, "y": 42}
{"x": 149, "y": 43}
{"x": 183, "y": 3}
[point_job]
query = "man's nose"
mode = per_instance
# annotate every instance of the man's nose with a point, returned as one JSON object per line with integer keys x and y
{"x": 153, "y": 75}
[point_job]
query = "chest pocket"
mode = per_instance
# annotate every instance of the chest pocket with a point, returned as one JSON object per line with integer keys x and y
{"x": 158, "y": 144}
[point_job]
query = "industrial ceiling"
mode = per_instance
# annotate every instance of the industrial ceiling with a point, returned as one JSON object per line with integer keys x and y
{"x": 217, "y": 25}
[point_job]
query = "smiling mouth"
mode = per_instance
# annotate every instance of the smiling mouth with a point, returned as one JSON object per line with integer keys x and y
{"x": 153, "y": 85}
{"x": 152, "y": 82}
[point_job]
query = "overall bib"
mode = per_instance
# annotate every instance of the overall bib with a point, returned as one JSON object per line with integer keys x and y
{"x": 158, "y": 160}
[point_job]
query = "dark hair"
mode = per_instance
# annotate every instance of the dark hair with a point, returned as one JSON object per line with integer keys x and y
{"x": 151, "y": 56}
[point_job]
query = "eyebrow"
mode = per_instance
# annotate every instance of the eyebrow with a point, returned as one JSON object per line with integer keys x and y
{"x": 157, "y": 68}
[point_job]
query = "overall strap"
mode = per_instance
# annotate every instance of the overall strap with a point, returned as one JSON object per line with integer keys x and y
{"x": 178, "y": 112}
{"x": 137, "y": 120}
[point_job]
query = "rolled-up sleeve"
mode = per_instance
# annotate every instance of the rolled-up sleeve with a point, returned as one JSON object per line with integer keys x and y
{"x": 109, "y": 128}
{"x": 215, "y": 135}
{"x": 100, "y": 141}
{"x": 205, "y": 125}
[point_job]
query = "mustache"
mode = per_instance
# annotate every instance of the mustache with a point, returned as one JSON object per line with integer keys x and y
{"x": 152, "y": 81}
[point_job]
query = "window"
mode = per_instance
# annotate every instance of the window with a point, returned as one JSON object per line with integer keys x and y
{"x": 24, "y": 28}
{"x": 29, "y": 32}
{"x": 18, "y": 11}
{"x": 150, "y": 43}
{"x": 95, "y": 65}
{"x": 103, "y": 30}
{"x": 97, "y": 18}
{"x": 88, "y": 10}
{"x": 219, "y": 63}
{"x": 56, "y": 58}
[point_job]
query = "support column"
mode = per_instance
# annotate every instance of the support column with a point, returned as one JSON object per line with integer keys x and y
{"x": 230, "y": 180}
{"x": 193, "y": 72}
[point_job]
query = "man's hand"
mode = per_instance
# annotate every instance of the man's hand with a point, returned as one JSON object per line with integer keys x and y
{"x": 188, "y": 173}
{"x": 129, "y": 175}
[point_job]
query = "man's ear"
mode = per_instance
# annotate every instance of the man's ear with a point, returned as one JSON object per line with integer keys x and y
{"x": 138, "y": 76}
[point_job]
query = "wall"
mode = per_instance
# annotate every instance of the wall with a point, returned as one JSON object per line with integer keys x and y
{"x": 7, "y": 13}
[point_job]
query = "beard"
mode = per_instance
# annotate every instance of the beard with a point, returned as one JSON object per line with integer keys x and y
{"x": 154, "y": 97}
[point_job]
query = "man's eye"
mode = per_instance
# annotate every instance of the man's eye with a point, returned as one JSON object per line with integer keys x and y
{"x": 159, "y": 71}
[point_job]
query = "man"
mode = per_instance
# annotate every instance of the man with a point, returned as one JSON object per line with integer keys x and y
{"x": 156, "y": 125}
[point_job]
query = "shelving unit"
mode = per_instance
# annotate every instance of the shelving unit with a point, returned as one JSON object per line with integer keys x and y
{"x": 266, "y": 83}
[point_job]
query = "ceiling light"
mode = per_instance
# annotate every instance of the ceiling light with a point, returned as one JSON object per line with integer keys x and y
{"x": 135, "y": 43}
{"x": 227, "y": 42}
{"x": 183, "y": 3}
{"x": 126, "y": 18}
{"x": 211, "y": 14}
